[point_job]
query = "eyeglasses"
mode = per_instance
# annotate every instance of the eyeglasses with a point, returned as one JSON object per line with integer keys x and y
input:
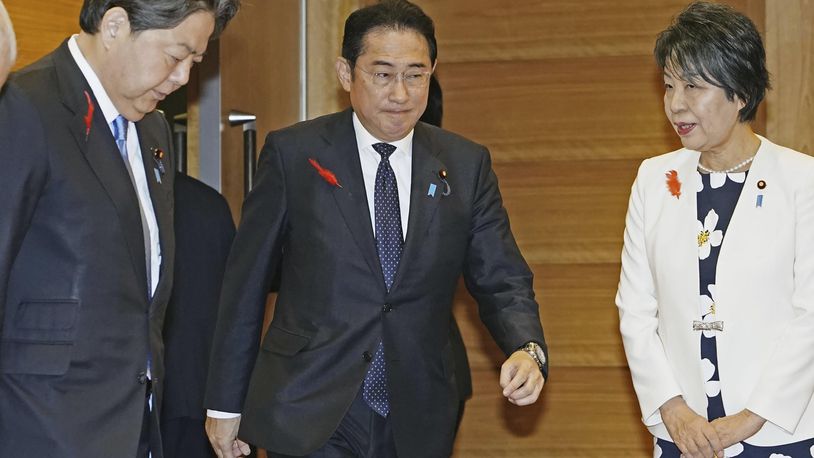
{"x": 413, "y": 79}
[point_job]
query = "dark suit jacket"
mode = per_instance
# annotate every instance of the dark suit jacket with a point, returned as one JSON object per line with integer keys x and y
{"x": 77, "y": 324}
{"x": 333, "y": 308}
{"x": 204, "y": 231}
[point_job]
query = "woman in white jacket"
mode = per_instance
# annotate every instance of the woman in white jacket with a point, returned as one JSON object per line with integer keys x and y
{"x": 716, "y": 296}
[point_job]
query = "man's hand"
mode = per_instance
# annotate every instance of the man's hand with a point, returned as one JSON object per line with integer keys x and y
{"x": 692, "y": 433}
{"x": 222, "y": 434}
{"x": 521, "y": 379}
{"x": 740, "y": 426}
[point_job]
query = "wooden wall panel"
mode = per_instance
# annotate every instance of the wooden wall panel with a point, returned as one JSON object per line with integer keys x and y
{"x": 259, "y": 63}
{"x": 583, "y": 414}
{"x": 567, "y": 211}
{"x": 568, "y": 109}
{"x": 41, "y": 26}
{"x": 790, "y": 58}
{"x": 326, "y": 20}
{"x": 517, "y": 30}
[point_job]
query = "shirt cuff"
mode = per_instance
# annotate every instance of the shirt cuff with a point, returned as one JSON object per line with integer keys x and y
{"x": 221, "y": 415}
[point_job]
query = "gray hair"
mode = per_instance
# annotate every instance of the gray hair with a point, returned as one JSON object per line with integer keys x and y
{"x": 157, "y": 14}
{"x": 7, "y": 37}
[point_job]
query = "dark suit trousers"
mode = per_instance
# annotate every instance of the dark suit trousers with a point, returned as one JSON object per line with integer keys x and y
{"x": 150, "y": 436}
{"x": 185, "y": 438}
{"x": 362, "y": 434}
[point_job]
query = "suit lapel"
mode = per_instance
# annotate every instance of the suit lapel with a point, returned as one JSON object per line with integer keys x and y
{"x": 159, "y": 193}
{"x": 100, "y": 150}
{"x": 678, "y": 233}
{"x": 343, "y": 159}
{"x": 423, "y": 206}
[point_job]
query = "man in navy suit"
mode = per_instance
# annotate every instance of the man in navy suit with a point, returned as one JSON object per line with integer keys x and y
{"x": 86, "y": 233}
{"x": 370, "y": 218}
{"x": 204, "y": 231}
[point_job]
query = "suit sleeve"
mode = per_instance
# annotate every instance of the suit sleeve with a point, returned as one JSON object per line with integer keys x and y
{"x": 253, "y": 261}
{"x": 23, "y": 174}
{"x": 495, "y": 272}
{"x": 785, "y": 387}
{"x": 653, "y": 379}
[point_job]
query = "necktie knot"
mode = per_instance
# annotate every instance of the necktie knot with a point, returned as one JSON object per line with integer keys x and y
{"x": 385, "y": 149}
{"x": 120, "y": 134}
{"x": 120, "y": 128}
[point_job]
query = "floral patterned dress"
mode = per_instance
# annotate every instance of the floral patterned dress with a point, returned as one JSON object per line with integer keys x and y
{"x": 716, "y": 198}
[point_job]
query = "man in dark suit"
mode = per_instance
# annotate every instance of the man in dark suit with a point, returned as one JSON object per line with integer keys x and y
{"x": 204, "y": 231}
{"x": 371, "y": 218}
{"x": 86, "y": 234}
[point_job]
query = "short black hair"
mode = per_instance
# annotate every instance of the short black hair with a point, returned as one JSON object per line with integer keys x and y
{"x": 387, "y": 15}
{"x": 434, "y": 113}
{"x": 720, "y": 45}
{"x": 157, "y": 14}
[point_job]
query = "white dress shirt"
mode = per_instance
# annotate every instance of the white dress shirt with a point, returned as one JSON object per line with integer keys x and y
{"x": 133, "y": 155}
{"x": 402, "y": 163}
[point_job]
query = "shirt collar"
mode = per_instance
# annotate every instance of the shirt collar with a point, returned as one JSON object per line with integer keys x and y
{"x": 365, "y": 139}
{"x": 105, "y": 104}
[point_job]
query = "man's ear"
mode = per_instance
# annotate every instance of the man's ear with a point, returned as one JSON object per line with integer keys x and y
{"x": 344, "y": 73}
{"x": 115, "y": 24}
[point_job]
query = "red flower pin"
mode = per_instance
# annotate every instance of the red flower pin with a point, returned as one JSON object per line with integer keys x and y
{"x": 88, "y": 116}
{"x": 326, "y": 174}
{"x": 673, "y": 185}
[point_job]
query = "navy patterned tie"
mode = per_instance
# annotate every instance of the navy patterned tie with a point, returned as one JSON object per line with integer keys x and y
{"x": 389, "y": 245}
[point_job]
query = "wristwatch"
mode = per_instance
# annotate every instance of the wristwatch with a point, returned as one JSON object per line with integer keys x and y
{"x": 537, "y": 354}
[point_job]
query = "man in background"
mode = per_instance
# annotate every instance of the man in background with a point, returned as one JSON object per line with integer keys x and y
{"x": 86, "y": 234}
{"x": 204, "y": 230}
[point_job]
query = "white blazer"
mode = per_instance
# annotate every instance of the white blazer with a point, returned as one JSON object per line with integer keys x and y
{"x": 764, "y": 293}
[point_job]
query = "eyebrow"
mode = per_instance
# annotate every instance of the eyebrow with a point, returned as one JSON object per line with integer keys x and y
{"x": 390, "y": 64}
{"x": 191, "y": 49}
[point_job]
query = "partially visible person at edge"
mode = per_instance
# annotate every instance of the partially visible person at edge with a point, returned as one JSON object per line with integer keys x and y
{"x": 434, "y": 115}
{"x": 370, "y": 218}
{"x": 716, "y": 296}
{"x": 8, "y": 45}
{"x": 204, "y": 231}
{"x": 86, "y": 234}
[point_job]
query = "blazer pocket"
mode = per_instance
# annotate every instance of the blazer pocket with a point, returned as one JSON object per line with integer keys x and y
{"x": 51, "y": 316}
{"x": 40, "y": 338}
{"x": 284, "y": 342}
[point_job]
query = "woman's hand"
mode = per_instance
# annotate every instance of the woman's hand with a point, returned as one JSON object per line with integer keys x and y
{"x": 740, "y": 426}
{"x": 692, "y": 433}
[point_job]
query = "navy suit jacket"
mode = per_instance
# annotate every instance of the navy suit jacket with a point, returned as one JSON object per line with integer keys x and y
{"x": 77, "y": 323}
{"x": 204, "y": 231}
{"x": 333, "y": 308}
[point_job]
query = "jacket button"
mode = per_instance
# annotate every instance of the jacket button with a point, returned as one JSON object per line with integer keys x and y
{"x": 386, "y": 308}
{"x": 367, "y": 356}
{"x": 142, "y": 378}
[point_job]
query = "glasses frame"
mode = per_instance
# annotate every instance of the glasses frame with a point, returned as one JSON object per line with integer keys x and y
{"x": 399, "y": 76}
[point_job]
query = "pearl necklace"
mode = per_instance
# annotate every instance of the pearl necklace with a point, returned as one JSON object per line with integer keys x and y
{"x": 729, "y": 170}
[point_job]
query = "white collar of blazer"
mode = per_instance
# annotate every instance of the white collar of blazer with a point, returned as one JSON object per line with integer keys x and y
{"x": 675, "y": 230}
